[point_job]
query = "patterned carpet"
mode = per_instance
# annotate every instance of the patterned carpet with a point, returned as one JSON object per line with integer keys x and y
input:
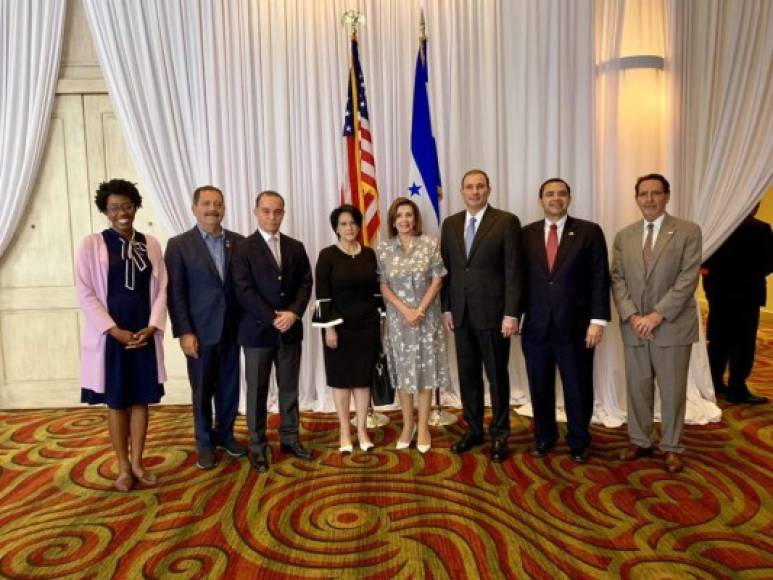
{"x": 387, "y": 514}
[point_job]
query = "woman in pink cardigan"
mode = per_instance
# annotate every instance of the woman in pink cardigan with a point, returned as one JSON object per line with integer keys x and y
{"x": 121, "y": 285}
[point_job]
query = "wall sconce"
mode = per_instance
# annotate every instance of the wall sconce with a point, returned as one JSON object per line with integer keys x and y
{"x": 641, "y": 61}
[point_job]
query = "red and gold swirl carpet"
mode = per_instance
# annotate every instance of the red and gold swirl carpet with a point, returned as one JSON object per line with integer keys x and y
{"x": 387, "y": 514}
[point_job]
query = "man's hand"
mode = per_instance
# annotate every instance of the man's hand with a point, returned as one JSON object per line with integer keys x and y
{"x": 644, "y": 326}
{"x": 594, "y": 335}
{"x": 284, "y": 320}
{"x": 448, "y": 321}
{"x": 331, "y": 338}
{"x": 635, "y": 321}
{"x": 189, "y": 343}
{"x": 509, "y": 326}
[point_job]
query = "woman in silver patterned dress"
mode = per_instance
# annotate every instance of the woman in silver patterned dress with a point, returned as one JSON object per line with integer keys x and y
{"x": 411, "y": 273}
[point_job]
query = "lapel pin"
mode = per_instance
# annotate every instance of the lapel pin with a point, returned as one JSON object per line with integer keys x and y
{"x": 571, "y": 233}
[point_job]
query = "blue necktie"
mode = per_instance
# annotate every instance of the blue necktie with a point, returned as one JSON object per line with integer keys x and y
{"x": 469, "y": 236}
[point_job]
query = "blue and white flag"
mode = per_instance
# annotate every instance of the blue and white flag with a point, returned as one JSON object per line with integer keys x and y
{"x": 424, "y": 187}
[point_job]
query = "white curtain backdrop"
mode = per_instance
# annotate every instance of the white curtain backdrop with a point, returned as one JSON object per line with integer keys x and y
{"x": 30, "y": 47}
{"x": 635, "y": 129}
{"x": 719, "y": 143}
{"x": 251, "y": 95}
{"x": 723, "y": 136}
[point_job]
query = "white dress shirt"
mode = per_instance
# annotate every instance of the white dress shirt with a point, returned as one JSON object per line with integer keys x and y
{"x": 655, "y": 231}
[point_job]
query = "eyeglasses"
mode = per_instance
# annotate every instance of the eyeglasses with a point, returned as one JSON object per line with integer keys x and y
{"x": 127, "y": 207}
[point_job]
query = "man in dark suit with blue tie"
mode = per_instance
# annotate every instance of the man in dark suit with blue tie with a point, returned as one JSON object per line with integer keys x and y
{"x": 566, "y": 306}
{"x": 273, "y": 282}
{"x": 205, "y": 316}
{"x": 481, "y": 304}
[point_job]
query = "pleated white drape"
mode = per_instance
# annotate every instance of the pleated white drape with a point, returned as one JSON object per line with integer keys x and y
{"x": 30, "y": 47}
{"x": 251, "y": 95}
{"x": 635, "y": 127}
{"x": 723, "y": 137}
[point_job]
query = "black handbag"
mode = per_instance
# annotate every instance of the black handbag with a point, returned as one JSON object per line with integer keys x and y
{"x": 382, "y": 389}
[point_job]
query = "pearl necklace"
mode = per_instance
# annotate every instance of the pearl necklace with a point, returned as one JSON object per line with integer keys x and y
{"x": 353, "y": 254}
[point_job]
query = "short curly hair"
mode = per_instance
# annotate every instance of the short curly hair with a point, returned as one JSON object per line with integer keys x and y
{"x": 117, "y": 187}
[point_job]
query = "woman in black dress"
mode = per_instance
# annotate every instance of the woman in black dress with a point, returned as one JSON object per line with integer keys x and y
{"x": 348, "y": 301}
{"x": 121, "y": 283}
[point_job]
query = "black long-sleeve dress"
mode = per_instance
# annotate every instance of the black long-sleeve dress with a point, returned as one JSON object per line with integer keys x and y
{"x": 348, "y": 298}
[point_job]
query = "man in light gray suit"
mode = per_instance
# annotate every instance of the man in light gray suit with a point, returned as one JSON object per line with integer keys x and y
{"x": 654, "y": 275}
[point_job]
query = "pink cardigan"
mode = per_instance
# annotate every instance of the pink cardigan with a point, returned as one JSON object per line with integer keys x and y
{"x": 91, "y": 285}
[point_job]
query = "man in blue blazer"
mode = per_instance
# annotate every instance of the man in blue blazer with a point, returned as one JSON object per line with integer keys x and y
{"x": 273, "y": 282}
{"x": 566, "y": 306}
{"x": 205, "y": 315}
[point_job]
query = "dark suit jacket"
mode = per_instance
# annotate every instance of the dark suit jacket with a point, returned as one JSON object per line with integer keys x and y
{"x": 262, "y": 289}
{"x": 576, "y": 291}
{"x": 736, "y": 272}
{"x": 488, "y": 283}
{"x": 199, "y": 301}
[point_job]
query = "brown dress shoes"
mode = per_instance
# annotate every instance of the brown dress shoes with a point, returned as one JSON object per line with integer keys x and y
{"x": 634, "y": 452}
{"x": 672, "y": 462}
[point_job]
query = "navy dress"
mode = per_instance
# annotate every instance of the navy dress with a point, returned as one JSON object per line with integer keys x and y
{"x": 131, "y": 376}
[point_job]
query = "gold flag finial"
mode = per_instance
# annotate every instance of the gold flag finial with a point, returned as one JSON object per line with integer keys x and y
{"x": 353, "y": 19}
{"x": 422, "y": 27}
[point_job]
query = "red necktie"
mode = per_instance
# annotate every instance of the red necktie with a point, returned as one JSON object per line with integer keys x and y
{"x": 552, "y": 246}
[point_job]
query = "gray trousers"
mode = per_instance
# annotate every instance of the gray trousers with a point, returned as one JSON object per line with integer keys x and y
{"x": 669, "y": 365}
{"x": 286, "y": 358}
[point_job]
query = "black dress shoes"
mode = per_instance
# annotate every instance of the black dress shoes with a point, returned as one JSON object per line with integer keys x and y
{"x": 540, "y": 449}
{"x": 206, "y": 460}
{"x": 746, "y": 399}
{"x": 259, "y": 460}
{"x": 233, "y": 448}
{"x": 295, "y": 448}
{"x": 466, "y": 442}
{"x": 499, "y": 450}
{"x": 579, "y": 455}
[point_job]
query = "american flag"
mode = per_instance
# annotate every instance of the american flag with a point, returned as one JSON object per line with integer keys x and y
{"x": 360, "y": 188}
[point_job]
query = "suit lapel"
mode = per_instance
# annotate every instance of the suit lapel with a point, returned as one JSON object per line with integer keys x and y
{"x": 282, "y": 253}
{"x": 485, "y": 225}
{"x": 566, "y": 245}
{"x": 228, "y": 251}
{"x": 665, "y": 235}
{"x": 458, "y": 231}
{"x": 537, "y": 242}
{"x": 263, "y": 247}
{"x": 198, "y": 239}
{"x": 637, "y": 246}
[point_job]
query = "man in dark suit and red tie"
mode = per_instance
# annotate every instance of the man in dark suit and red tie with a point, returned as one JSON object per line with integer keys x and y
{"x": 273, "y": 283}
{"x": 566, "y": 306}
{"x": 481, "y": 298}
{"x": 205, "y": 317}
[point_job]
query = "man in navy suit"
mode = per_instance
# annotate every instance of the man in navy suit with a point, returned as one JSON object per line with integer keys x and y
{"x": 566, "y": 298}
{"x": 273, "y": 282}
{"x": 205, "y": 315}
